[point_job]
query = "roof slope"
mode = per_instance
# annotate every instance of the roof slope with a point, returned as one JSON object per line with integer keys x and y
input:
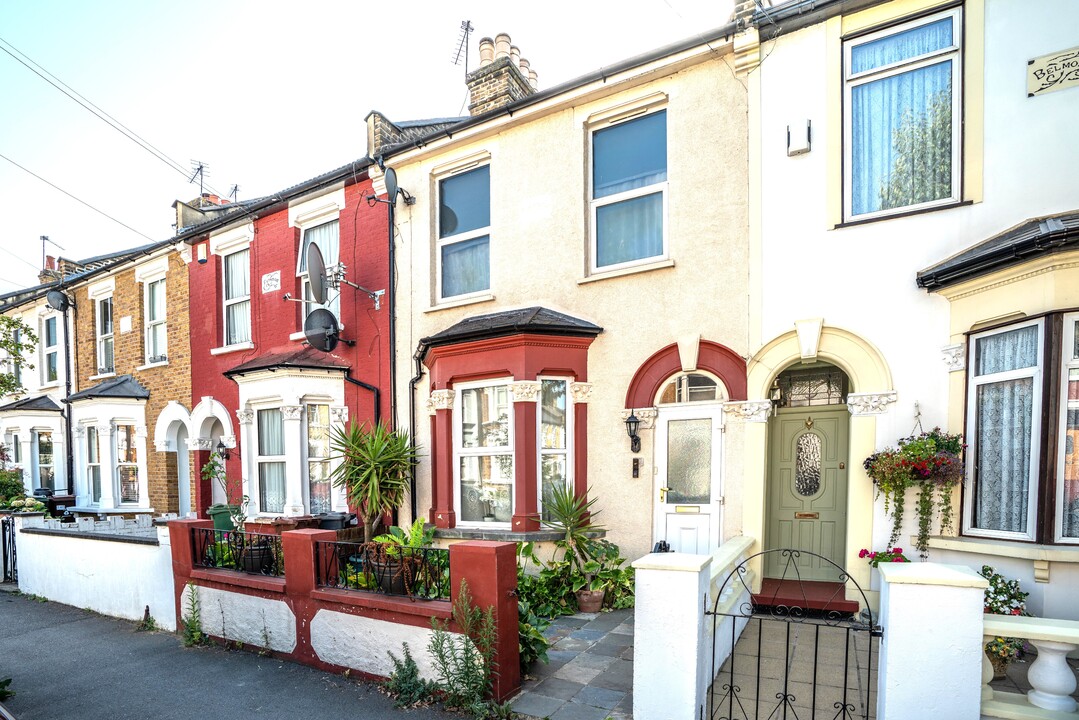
{"x": 537, "y": 320}
{"x": 121, "y": 386}
{"x": 303, "y": 358}
{"x": 42, "y": 402}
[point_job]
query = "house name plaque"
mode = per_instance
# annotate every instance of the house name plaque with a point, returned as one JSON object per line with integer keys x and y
{"x": 1056, "y": 71}
{"x": 271, "y": 282}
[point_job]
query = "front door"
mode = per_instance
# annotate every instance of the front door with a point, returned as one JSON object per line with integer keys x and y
{"x": 687, "y": 479}
{"x": 807, "y": 488}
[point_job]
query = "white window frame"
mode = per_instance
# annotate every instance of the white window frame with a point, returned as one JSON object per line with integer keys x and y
{"x": 460, "y": 452}
{"x": 14, "y": 366}
{"x": 47, "y": 350}
{"x": 119, "y": 463}
{"x": 307, "y": 459}
{"x": 332, "y": 304}
{"x": 93, "y": 462}
{"x": 36, "y": 449}
{"x": 596, "y": 203}
{"x": 974, "y": 381}
{"x": 227, "y": 302}
{"x": 721, "y": 389}
{"x": 150, "y": 324}
{"x": 101, "y": 337}
{"x": 442, "y": 242}
{"x": 570, "y": 445}
{"x": 256, "y": 496}
{"x": 1068, "y": 362}
{"x": 852, "y": 80}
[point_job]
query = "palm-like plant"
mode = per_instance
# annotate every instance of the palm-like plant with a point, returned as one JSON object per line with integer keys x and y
{"x": 375, "y": 467}
{"x": 572, "y": 515}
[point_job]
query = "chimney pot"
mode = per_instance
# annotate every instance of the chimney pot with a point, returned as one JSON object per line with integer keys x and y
{"x": 50, "y": 262}
{"x": 487, "y": 51}
{"x": 533, "y": 79}
{"x": 502, "y": 46}
{"x": 515, "y": 55}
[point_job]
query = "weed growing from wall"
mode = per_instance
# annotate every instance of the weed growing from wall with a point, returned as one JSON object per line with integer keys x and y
{"x": 405, "y": 685}
{"x": 466, "y": 662}
{"x": 192, "y": 618}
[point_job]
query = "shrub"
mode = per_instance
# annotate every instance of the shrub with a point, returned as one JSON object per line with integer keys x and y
{"x": 466, "y": 663}
{"x": 405, "y": 685}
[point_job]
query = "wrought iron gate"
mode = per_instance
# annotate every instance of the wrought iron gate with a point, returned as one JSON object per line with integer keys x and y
{"x": 8, "y": 570}
{"x": 798, "y": 650}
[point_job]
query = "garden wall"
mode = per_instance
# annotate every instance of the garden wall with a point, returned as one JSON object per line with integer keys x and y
{"x": 113, "y": 574}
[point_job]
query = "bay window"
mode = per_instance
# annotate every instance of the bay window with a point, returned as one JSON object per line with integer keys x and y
{"x": 1067, "y": 495}
{"x": 483, "y": 446}
{"x": 271, "y": 461}
{"x": 45, "y": 471}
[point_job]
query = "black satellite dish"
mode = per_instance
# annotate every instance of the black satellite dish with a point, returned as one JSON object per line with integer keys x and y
{"x": 321, "y": 330}
{"x": 391, "y": 185}
{"x": 57, "y": 300}
{"x": 447, "y": 220}
{"x": 316, "y": 274}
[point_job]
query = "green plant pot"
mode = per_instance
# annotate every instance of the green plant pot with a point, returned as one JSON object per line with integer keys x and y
{"x": 222, "y": 516}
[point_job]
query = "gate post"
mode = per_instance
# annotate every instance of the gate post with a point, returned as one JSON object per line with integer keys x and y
{"x": 671, "y": 653}
{"x": 932, "y": 617}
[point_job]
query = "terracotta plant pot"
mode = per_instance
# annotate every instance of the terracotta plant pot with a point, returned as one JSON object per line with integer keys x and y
{"x": 589, "y": 600}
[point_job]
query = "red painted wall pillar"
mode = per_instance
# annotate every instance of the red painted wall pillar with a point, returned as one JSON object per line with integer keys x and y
{"x": 299, "y": 549}
{"x": 525, "y": 482}
{"x": 490, "y": 569}
{"x": 442, "y": 512}
{"x": 183, "y": 557}
{"x": 580, "y": 448}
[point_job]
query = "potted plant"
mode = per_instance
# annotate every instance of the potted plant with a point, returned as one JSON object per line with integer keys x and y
{"x": 374, "y": 468}
{"x": 225, "y": 515}
{"x": 1003, "y": 597}
{"x": 401, "y": 566}
{"x": 572, "y": 516}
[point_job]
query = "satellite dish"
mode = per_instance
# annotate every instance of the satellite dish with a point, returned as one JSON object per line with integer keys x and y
{"x": 321, "y": 330}
{"x": 57, "y": 300}
{"x": 391, "y": 185}
{"x": 447, "y": 220}
{"x": 316, "y": 274}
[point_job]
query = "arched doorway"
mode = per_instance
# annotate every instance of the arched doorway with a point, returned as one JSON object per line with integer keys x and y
{"x": 808, "y": 449}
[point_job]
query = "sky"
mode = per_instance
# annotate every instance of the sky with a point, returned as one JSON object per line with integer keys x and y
{"x": 265, "y": 94}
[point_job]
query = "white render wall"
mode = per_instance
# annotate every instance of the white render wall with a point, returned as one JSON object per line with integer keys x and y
{"x": 110, "y": 577}
{"x": 363, "y": 643}
{"x": 243, "y": 618}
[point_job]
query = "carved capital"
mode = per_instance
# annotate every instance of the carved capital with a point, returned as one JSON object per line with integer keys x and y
{"x": 104, "y": 430}
{"x": 955, "y": 357}
{"x": 291, "y": 412}
{"x": 439, "y": 400}
{"x": 80, "y": 431}
{"x": 162, "y": 445}
{"x": 140, "y": 431}
{"x": 525, "y": 391}
{"x": 200, "y": 444}
{"x": 756, "y": 411}
{"x": 647, "y": 416}
{"x": 581, "y": 392}
{"x": 246, "y": 417}
{"x": 870, "y": 403}
{"x": 339, "y": 415}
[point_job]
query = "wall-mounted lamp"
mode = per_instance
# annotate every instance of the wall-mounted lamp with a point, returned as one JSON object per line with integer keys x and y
{"x": 223, "y": 451}
{"x": 775, "y": 394}
{"x": 633, "y": 424}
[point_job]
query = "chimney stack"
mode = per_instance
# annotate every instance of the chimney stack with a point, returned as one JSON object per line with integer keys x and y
{"x": 49, "y": 272}
{"x": 503, "y": 76}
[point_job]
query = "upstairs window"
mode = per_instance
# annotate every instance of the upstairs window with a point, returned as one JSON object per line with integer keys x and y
{"x": 104, "y": 337}
{"x": 50, "y": 347}
{"x": 902, "y": 106}
{"x": 156, "y": 328}
{"x": 464, "y": 233}
{"x": 327, "y": 238}
{"x": 629, "y": 192}
{"x": 237, "y": 298}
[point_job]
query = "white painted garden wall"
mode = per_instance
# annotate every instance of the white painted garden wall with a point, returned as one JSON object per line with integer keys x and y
{"x": 113, "y": 577}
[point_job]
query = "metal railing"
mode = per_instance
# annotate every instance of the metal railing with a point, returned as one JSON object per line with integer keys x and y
{"x": 9, "y": 571}
{"x": 422, "y": 573}
{"x": 231, "y": 550}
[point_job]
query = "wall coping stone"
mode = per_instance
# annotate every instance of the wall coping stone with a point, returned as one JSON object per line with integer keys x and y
{"x": 931, "y": 574}
{"x": 107, "y": 537}
{"x": 683, "y": 562}
{"x": 468, "y": 533}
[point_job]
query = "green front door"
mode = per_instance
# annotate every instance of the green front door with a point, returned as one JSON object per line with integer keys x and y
{"x": 807, "y": 489}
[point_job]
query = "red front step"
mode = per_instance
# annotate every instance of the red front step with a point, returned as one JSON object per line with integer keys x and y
{"x": 808, "y": 594}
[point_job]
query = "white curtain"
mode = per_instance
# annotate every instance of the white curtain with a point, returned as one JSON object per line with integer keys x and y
{"x": 327, "y": 237}
{"x": 271, "y": 442}
{"x": 901, "y": 125}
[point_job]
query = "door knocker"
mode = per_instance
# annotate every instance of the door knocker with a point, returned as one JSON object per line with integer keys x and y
{"x": 809, "y": 423}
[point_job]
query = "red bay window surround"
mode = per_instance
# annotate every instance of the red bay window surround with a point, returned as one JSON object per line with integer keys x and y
{"x": 521, "y": 347}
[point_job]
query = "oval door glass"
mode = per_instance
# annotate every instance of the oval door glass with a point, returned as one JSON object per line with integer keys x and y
{"x": 689, "y": 461}
{"x": 807, "y": 465}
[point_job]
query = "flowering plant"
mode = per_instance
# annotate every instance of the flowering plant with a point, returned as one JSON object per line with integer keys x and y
{"x": 930, "y": 461}
{"x": 1007, "y": 649}
{"x": 877, "y": 557}
{"x": 1003, "y": 596}
{"x": 23, "y": 504}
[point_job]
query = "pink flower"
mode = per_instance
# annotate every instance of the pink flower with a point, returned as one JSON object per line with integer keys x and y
{"x": 897, "y": 559}
{"x": 862, "y": 553}
{"x": 897, "y": 550}
{"x": 873, "y": 556}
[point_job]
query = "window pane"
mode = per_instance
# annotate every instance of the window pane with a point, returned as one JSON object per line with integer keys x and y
{"x": 1070, "y": 510}
{"x": 630, "y": 155}
{"x": 901, "y": 135}
{"x": 465, "y": 202}
{"x": 327, "y": 237}
{"x": 271, "y": 486}
{"x": 156, "y": 301}
{"x": 629, "y": 230}
{"x": 807, "y": 465}
{"x": 238, "y": 319}
{"x": 1004, "y": 413}
{"x": 689, "y": 461}
{"x": 129, "y": 484}
{"x": 91, "y": 445}
{"x": 553, "y": 414}
{"x": 487, "y": 488}
{"x": 125, "y": 444}
{"x": 44, "y": 448}
{"x": 553, "y": 474}
{"x": 104, "y": 317}
{"x": 466, "y": 266}
{"x": 50, "y": 367}
{"x": 95, "y": 483}
{"x": 902, "y": 46}
{"x": 50, "y": 332}
{"x": 485, "y": 417}
{"x": 236, "y": 275}
{"x": 271, "y": 433}
{"x": 106, "y": 355}
{"x": 318, "y": 453}
{"x": 1005, "y": 351}
{"x": 1075, "y": 348}
{"x": 157, "y": 340}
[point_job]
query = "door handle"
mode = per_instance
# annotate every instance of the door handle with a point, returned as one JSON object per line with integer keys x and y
{"x": 663, "y": 494}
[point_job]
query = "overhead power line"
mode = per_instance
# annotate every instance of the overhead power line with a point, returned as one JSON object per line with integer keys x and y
{"x": 78, "y": 200}
{"x": 90, "y": 107}
{"x": 20, "y": 259}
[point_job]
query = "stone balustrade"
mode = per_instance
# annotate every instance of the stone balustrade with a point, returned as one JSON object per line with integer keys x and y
{"x": 1052, "y": 681}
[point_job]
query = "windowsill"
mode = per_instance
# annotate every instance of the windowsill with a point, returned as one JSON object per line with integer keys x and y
{"x": 908, "y": 213}
{"x": 1007, "y": 548}
{"x": 506, "y": 535}
{"x": 460, "y": 302}
{"x": 645, "y": 267}
{"x": 224, "y": 350}
{"x": 101, "y": 376}
{"x": 151, "y": 366}
{"x": 49, "y": 385}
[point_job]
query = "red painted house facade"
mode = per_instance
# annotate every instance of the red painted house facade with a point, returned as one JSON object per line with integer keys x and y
{"x": 260, "y": 394}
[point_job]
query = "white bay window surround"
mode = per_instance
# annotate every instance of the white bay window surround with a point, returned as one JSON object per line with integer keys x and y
{"x": 110, "y": 452}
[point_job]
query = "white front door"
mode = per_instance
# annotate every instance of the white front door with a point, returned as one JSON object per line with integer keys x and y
{"x": 687, "y": 479}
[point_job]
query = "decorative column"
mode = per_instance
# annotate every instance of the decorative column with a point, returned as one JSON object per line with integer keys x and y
{"x": 338, "y": 420}
{"x": 525, "y": 394}
{"x": 581, "y": 392}
{"x": 292, "y": 416}
{"x": 440, "y": 407}
{"x": 1051, "y": 679}
{"x": 141, "y": 466}
{"x": 247, "y": 446}
{"x": 106, "y": 443}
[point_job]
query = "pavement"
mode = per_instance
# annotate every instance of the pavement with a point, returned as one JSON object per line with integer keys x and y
{"x": 70, "y": 663}
{"x": 590, "y": 673}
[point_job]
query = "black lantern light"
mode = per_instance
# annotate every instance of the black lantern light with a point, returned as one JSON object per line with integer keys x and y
{"x": 633, "y": 424}
{"x": 223, "y": 451}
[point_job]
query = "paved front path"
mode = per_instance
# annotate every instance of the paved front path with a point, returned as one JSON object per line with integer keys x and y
{"x": 70, "y": 663}
{"x": 590, "y": 674}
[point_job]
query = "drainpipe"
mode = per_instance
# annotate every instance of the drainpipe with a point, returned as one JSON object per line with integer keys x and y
{"x": 67, "y": 411}
{"x": 418, "y": 358}
{"x": 392, "y": 291}
{"x": 374, "y": 390}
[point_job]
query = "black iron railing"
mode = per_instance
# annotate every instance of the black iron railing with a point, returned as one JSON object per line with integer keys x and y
{"x": 231, "y": 550}
{"x": 422, "y": 573}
